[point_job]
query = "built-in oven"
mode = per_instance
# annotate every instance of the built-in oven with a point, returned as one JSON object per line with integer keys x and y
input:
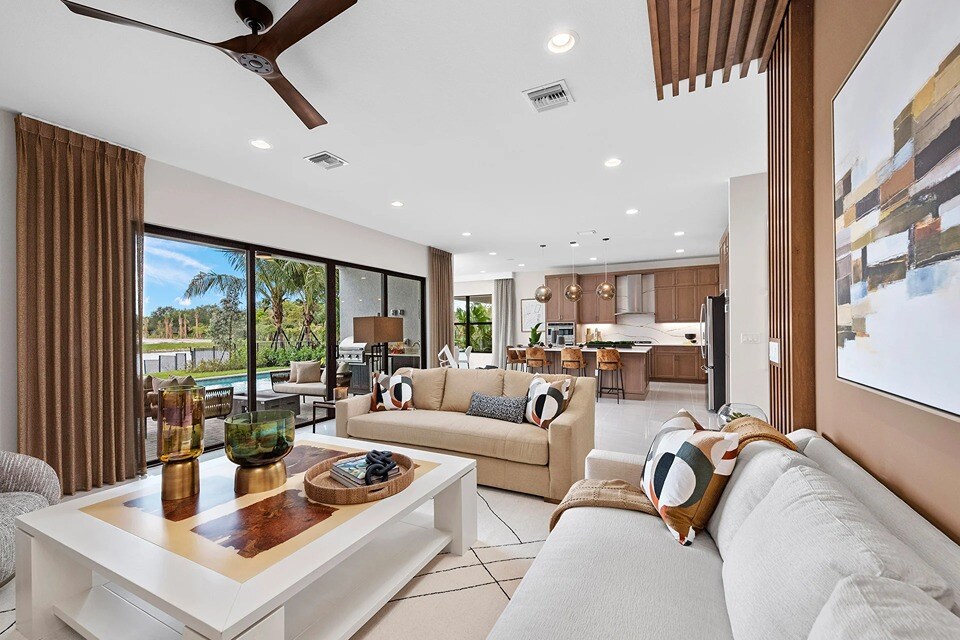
{"x": 562, "y": 333}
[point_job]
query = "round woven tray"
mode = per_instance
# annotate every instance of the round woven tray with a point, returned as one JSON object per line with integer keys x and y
{"x": 320, "y": 487}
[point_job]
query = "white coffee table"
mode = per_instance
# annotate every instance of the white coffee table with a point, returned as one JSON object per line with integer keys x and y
{"x": 106, "y": 582}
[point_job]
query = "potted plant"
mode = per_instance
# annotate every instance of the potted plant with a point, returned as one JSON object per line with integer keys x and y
{"x": 535, "y": 335}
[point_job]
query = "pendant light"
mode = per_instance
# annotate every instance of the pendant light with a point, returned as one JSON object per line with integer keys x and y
{"x": 606, "y": 290}
{"x": 574, "y": 291}
{"x": 543, "y": 294}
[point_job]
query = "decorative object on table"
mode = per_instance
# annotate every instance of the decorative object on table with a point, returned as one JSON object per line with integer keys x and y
{"x": 543, "y": 294}
{"x": 574, "y": 291}
{"x": 340, "y": 393}
{"x": 734, "y": 410}
{"x": 606, "y": 290}
{"x": 391, "y": 393}
{"x": 180, "y": 440}
{"x": 897, "y": 208}
{"x": 378, "y": 331}
{"x": 531, "y": 313}
{"x": 258, "y": 442}
{"x": 321, "y": 487}
{"x": 497, "y": 407}
{"x": 685, "y": 473}
{"x": 547, "y": 400}
{"x": 365, "y": 470}
{"x": 692, "y": 337}
{"x": 535, "y": 335}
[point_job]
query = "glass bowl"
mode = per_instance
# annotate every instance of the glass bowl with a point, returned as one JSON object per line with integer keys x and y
{"x": 258, "y": 438}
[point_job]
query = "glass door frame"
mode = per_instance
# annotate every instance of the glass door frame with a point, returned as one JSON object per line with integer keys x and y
{"x": 331, "y": 265}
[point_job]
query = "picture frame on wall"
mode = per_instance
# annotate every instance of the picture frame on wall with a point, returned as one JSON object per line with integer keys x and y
{"x": 531, "y": 313}
{"x": 896, "y": 151}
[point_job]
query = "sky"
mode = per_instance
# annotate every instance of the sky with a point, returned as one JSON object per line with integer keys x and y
{"x": 168, "y": 267}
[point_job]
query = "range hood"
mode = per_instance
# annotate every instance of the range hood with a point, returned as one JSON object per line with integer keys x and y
{"x": 635, "y": 293}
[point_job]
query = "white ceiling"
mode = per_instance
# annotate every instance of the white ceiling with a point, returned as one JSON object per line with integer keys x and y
{"x": 424, "y": 100}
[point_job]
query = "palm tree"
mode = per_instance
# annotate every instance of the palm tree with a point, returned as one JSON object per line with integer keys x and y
{"x": 310, "y": 281}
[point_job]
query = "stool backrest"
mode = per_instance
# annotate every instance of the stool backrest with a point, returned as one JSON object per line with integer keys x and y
{"x": 608, "y": 359}
{"x": 572, "y": 358}
{"x": 536, "y": 357}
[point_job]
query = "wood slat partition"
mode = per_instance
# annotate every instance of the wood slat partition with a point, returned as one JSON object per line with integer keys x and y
{"x": 790, "y": 175}
{"x": 693, "y": 38}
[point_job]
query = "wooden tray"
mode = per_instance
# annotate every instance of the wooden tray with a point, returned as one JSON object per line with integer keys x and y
{"x": 320, "y": 487}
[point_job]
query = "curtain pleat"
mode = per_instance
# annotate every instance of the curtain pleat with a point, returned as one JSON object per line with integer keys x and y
{"x": 79, "y": 260}
{"x": 503, "y": 318}
{"x": 441, "y": 303}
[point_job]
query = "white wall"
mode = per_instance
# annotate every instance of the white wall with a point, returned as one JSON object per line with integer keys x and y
{"x": 8, "y": 283}
{"x": 184, "y": 200}
{"x": 749, "y": 379}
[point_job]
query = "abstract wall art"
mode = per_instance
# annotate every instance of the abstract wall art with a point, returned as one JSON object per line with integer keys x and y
{"x": 896, "y": 136}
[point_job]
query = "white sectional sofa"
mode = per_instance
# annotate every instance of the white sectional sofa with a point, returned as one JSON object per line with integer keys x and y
{"x": 763, "y": 569}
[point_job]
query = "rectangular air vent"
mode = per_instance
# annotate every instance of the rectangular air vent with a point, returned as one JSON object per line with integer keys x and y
{"x": 549, "y": 96}
{"x": 327, "y": 160}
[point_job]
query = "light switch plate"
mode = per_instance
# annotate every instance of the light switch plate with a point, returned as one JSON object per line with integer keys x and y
{"x": 749, "y": 338}
{"x": 775, "y": 351}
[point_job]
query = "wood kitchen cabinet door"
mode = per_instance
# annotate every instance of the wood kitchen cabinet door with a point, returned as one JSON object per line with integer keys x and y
{"x": 559, "y": 309}
{"x": 606, "y": 309}
{"x": 688, "y": 364}
{"x": 688, "y": 304}
{"x": 664, "y": 364}
{"x": 589, "y": 312}
{"x": 665, "y": 304}
{"x": 708, "y": 275}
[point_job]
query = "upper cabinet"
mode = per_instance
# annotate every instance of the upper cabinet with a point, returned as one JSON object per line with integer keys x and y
{"x": 558, "y": 308}
{"x": 593, "y": 310}
{"x": 680, "y": 292}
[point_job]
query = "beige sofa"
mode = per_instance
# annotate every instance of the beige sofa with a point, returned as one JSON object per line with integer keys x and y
{"x": 518, "y": 457}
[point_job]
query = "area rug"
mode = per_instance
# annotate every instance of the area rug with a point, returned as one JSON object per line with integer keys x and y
{"x": 454, "y": 596}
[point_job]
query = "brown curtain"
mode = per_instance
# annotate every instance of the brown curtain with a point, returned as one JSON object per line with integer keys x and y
{"x": 79, "y": 256}
{"x": 441, "y": 302}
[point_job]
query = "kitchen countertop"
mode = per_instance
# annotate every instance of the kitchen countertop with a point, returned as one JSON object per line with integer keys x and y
{"x": 639, "y": 349}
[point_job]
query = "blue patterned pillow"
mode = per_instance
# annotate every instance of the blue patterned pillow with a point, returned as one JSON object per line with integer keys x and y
{"x": 497, "y": 407}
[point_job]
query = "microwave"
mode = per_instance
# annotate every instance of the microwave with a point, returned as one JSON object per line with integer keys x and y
{"x": 561, "y": 333}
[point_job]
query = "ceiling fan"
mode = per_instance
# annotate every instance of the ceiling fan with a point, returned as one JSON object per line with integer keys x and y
{"x": 256, "y": 52}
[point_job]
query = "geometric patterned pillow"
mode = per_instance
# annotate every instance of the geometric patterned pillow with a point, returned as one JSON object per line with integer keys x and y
{"x": 546, "y": 401}
{"x": 685, "y": 473}
{"x": 391, "y": 393}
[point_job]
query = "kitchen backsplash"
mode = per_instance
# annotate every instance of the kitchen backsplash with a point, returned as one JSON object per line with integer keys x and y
{"x": 641, "y": 326}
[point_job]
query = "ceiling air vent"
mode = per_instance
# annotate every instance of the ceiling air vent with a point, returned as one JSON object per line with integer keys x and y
{"x": 327, "y": 160}
{"x": 549, "y": 96}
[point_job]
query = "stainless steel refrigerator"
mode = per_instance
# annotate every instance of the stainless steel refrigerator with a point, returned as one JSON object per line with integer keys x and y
{"x": 713, "y": 349}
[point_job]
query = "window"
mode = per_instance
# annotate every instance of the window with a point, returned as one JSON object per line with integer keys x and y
{"x": 473, "y": 323}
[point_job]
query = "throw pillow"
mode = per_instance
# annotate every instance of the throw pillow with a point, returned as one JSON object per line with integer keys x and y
{"x": 391, "y": 392}
{"x": 873, "y": 608}
{"x": 547, "y": 400}
{"x": 497, "y": 407}
{"x": 310, "y": 372}
{"x": 685, "y": 472}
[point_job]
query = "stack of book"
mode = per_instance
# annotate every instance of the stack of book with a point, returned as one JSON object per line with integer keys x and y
{"x": 352, "y": 472}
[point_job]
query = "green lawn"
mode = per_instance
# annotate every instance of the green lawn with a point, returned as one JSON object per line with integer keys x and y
{"x": 153, "y": 347}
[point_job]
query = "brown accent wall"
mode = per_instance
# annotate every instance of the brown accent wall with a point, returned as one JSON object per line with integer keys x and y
{"x": 913, "y": 451}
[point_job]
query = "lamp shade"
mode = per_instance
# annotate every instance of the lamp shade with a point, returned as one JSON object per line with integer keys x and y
{"x": 377, "y": 329}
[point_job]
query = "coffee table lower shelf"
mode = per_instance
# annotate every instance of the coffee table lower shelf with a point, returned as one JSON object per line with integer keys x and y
{"x": 334, "y": 607}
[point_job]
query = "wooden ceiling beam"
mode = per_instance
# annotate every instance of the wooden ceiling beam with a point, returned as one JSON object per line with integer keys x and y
{"x": 674, "y": 16}
{"x": 772, "y": 32}
{"x": 753, "y": 38}
{"x": 731, "y": 54}
{"x": 713, "y": 6}
{"x": 655, "y": 43}
{"x": 694, "y": 41}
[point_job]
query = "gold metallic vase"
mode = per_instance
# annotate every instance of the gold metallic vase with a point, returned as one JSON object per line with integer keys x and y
{"x": 180, "y": 480}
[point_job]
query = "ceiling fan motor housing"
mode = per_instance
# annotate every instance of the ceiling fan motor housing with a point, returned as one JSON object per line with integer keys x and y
{"x": 254, "y": 14}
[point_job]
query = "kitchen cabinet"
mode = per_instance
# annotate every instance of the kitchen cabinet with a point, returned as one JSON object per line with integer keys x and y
{"x": 558, "y": 308}
{"x": 680, "y": 292}
{"x": 678, "y": 363}
{"x": 593, "y": 310}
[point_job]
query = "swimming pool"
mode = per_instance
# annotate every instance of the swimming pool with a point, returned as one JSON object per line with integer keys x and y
{"x": 238, "y": 382}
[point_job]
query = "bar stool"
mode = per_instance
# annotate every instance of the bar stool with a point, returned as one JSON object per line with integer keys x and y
{"x": 571, "y": 359}
{"x": 537, "y": 360}
{"x": 609, "y": 360}
{"x": 515, "y": 358}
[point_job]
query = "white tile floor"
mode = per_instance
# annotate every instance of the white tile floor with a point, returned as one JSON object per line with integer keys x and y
{"x": 627, "y": 427}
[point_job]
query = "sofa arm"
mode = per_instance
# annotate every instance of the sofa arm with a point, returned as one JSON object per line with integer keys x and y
{"x": 570, "y": 438}
{"x": 346, "y": 409}
{"x": 612, "y": 465}
{"x": 20, "y": 472}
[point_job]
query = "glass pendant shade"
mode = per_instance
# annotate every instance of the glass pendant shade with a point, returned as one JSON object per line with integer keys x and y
{"x": 543, "y": 294}
{"x": 606, "y": 291}
{"x": 573, "y": 293}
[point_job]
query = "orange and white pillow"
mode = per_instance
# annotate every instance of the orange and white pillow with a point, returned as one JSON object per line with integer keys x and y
{"x": 546, "y": 401}
{"x": 391, "y": 393}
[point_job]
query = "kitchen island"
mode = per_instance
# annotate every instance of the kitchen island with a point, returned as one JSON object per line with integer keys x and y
{"x": 636, "y": 377}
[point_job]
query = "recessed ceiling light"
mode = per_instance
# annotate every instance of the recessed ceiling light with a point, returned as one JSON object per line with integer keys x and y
{"x": 483, "y": 272}
{"x": 680, "y": 250}
{"x": 632, "y": 212}
{"x": 612, "y": 162}
{"x": 593, "y": 259}
{"x": 492, "y": 253}
{"x": 521, "y": 265}
{"x": 574, "y": 244}
{"x": 261, "y": 144}
{"x": 562, "y": 42}
{"x": 396, "y": 203}
{"x": 465, "y": 234}
{"x": 678, "y": 233}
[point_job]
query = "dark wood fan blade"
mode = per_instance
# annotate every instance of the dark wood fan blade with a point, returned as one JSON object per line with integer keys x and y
{"x": 295, "y": 100}
{"x": 301, "y": 20}
{"x": 90, "y": 12}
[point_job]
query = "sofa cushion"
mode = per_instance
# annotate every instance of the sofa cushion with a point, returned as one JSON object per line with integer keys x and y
{"x": 517, "y": 383}
{"x": 497, "y": 407}
{"x": 547, "y": 400}
{"x": 611, "y": 573}
{"x": 461, "y": 383}
{"x": 806, "y": 535}
{"x": 427, "y": 386}
{"x": 391, "y": 393}
{"x": 759, "y": 465}
{"x": 685, "y": 472}
{"x": 871, "y": 608}
{"x": 454, "y": 432}
{"x": 301, "y": 389}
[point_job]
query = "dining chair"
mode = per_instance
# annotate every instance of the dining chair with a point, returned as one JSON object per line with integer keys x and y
{"x": 446, "y": 357}
{"x": 463, "y": 358}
